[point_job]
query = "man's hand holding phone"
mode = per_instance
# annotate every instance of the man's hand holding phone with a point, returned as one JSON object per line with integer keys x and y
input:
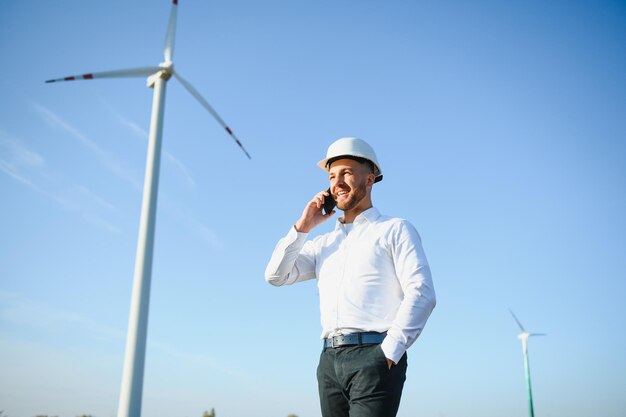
{"x": 329, "y": 203}
{"x": 312, "y": 215}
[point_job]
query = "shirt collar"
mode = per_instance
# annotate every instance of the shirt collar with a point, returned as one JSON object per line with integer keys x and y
{"x": 370, "y": 215}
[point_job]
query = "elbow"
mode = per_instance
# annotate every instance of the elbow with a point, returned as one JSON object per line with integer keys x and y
{"x": 427, "y": 299}
{"x": 431, "y": 300}
{"x": 274, "y": 279}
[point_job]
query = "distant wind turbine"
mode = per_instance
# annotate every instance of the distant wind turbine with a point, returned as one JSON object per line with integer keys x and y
{"x": 132, "y": 379}
{"x": 523, "y": 336}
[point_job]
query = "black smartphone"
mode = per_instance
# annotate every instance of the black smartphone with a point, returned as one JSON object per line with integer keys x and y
{"x": 329, "y": 203}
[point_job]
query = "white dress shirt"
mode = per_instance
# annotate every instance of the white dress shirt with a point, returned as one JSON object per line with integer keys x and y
{"x": 372, "y": 275}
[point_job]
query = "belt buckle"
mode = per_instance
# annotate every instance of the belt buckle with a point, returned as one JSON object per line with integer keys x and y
{"x": 335, "y": 341}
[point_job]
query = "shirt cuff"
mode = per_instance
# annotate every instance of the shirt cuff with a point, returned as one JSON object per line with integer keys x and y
{"x": 392, "y": 349}
{"x": 294, "y": 236}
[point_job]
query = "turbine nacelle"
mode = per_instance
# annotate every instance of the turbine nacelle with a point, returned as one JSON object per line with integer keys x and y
{"x": 165, "y": 72}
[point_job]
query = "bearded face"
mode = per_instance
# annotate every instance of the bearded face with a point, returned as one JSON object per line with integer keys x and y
{"x": 349, "y": 181}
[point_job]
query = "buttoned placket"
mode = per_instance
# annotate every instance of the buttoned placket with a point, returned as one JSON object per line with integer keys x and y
{"x": 342, "y": 248}
{"x": 346, "y": 247}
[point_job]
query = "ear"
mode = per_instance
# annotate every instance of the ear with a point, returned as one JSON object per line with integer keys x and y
{"x": 370, "y": 180}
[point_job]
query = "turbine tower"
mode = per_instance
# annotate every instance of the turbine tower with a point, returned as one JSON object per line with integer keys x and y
{"x": 132, "y": 378}
{"x": 523, "y": 336}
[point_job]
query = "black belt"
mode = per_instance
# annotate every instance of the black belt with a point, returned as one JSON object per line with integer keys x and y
{"x": 354, "y": 339}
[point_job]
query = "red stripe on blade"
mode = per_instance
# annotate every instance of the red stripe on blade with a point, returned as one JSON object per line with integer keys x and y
{"x": 228, "y": 130}
{"x": 88, "y": 77}
{"x": 69, "y": 78}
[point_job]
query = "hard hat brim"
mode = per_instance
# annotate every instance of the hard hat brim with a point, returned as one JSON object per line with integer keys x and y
{"x": 324, "y": 164}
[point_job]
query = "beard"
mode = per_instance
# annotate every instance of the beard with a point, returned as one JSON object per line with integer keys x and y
{"x": 355, "y": 196}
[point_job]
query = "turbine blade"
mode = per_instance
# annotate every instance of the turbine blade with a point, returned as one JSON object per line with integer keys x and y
{"x": 125, "y": 73}
{"x": 171, "y": 32}
{"x": 207, "y": 106}
{"x": 537, "y": 334}
{"x": 518, "y": 322}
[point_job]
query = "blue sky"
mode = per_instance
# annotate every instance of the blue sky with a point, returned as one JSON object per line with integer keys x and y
{"x": 500, "y": 128}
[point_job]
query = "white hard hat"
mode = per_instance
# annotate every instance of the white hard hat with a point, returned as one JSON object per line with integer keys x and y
{"x": 351, "y": 147}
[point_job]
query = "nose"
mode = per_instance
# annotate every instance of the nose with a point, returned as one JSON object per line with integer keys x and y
{"x": 336, "y": 181}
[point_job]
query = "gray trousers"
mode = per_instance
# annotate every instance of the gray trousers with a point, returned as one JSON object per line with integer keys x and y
{"x": 356, "y": 381}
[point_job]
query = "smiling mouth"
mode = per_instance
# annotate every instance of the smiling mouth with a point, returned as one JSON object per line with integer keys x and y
{"x": 342, "y": 193}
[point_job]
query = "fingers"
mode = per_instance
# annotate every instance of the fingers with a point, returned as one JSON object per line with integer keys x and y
{"x": 312, "y": 214}
{"x": 319, "y": 198}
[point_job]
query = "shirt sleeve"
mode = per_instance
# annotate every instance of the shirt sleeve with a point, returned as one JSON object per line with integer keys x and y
{"x": 293, "y": 260}
{"x": 418, "y": 300}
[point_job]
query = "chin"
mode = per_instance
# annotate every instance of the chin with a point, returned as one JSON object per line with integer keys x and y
{"x": 346, "y": 206}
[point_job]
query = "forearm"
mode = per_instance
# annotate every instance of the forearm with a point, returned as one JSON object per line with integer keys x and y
{"x": 415, "y": 309}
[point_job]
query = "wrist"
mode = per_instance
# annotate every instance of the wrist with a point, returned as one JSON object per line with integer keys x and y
{"x": 302, "y": 227}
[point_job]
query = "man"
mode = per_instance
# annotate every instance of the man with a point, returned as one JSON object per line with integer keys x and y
{"x": 374, "y": 282}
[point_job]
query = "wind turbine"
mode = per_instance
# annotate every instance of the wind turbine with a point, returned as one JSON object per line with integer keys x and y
{"x": 132, "y": 378}
{"x": 523, "y": 336}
